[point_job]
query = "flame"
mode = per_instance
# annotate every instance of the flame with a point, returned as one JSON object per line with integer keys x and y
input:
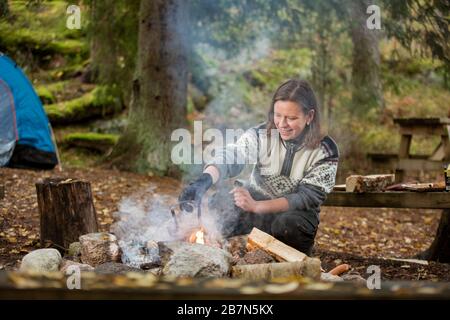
{"x": 198, "y": 236}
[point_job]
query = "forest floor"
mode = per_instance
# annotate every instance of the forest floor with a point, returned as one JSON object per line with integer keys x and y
{"x": 359, "y": 237}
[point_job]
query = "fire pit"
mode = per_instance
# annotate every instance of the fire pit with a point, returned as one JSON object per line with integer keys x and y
{"x": 188, "y": 244}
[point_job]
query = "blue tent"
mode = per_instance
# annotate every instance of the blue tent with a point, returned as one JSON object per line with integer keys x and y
{"x": 25, "y": 132}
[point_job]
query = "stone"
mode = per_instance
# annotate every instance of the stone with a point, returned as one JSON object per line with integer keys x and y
{"x": 41, "y": 260}
{"x": 67, "y": 263}
{"x": 354, "y": 278}
{"x": 74, "y": 249}
{"x": 115, "y": 268}
{"x": 325, "y": 276}
{"x": 99, "y": 248}
{"x": 143, "y": 255}
{"x": 183, "y": 259}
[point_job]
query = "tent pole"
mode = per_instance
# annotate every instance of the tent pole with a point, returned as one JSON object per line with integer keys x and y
{"x": 60, "y": 168}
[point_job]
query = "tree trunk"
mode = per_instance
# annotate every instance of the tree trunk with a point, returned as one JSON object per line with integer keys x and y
{"x": 159, "y": 93}
{"x": 4, "y": 8}
{"x": 440, "y": 248}
{"x": 66, "y": 211}
{"x": 102, "y": 47}
{"x": 366, "y": 84}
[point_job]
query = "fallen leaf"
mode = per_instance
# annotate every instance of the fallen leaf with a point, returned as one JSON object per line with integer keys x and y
{"x": 11, "y": 239}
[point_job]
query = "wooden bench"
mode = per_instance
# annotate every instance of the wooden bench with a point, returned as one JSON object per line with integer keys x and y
{"x": 390, "y": 199}
{"x": 440, "y": 248}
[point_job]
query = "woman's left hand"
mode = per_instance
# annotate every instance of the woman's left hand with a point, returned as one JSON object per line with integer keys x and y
{"x": 244, "y": 200}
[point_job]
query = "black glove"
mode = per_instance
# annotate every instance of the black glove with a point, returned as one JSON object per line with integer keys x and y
{"x": 195, "y": 191}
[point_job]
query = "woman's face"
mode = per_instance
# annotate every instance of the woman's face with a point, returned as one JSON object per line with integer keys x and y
{"x": 289, "y": 119}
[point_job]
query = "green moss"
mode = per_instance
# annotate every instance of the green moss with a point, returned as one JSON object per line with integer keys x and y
{"x": 66, "y": 72}
{"x": 57, "y": 87}
{"x": 98, "y": 102}
{"x": 41, "y": 30}
{"x": 40, "y": 41}
{"x": 92, "y": 137}
{"x": 98, "y": 142}
{"x": 45, "y": 95}
{"x": 79, "y": 157}
{"x": 54, "y": 92}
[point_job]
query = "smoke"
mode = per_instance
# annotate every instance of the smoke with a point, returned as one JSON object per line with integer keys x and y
{"x": 231, "y": 106}
{"x": 233, "y": 102}
{"x": 145, "y": 218}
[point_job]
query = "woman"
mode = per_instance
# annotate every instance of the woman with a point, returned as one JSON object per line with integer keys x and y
{"x": 290, "y": 179}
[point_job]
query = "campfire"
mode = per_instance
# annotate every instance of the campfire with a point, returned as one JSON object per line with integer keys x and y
{"x": 197, "y": 236}
{"x": 184, "y": 229}
{"x": 200, "y": 235}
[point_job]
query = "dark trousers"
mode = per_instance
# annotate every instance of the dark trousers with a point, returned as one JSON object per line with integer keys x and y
{"x": 295, "y": 228}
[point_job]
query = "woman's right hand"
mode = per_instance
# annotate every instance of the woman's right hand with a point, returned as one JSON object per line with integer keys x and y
{"x": 195, "y": 191}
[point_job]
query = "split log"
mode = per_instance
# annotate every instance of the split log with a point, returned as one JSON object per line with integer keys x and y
{"x": 277, "y": 249}
{"x": 66, "y": 211}
{"x": 371, "y": 183}
{"x": 309, "y": 267}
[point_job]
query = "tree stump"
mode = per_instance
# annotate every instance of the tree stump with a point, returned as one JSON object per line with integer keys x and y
{"x": 66, "y": 211}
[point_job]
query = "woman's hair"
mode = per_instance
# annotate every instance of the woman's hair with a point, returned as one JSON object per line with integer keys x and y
{"x": 300, "y": 92}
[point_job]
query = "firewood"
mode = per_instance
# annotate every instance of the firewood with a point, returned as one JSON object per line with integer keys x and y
{"x": 277, "y": 249}
{"x": 370, "y": 183}
{"x": 309, "y": 267}
{"x": 2, "y": 191}
{"x": 257, "y": 256}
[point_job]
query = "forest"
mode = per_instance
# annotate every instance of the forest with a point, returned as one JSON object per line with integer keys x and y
{"x": 93, "y": 94}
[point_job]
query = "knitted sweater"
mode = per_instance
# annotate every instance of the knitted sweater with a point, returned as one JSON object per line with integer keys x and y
{"x": 282, "y": 168}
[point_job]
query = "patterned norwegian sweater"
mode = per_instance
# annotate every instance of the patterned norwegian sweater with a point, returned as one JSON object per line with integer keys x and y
{"x": 282, "y": 168}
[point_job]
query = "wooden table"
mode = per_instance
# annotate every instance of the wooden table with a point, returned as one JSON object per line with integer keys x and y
{"x": 404, "y": 160}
